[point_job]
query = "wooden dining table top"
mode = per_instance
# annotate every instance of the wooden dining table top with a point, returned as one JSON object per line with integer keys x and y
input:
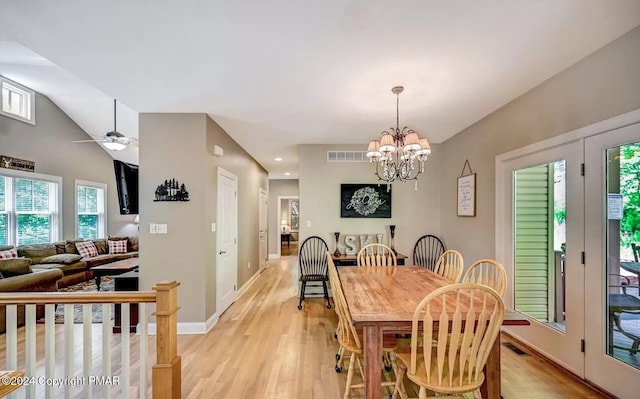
{"x": 388, "y": 295}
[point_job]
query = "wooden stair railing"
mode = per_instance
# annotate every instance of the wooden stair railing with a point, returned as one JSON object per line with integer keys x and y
{"x": 166, "y": 373}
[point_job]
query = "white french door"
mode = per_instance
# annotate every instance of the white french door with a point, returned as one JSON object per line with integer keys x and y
{"x": 539, "y": 240}
{"x": 612, "y": 310}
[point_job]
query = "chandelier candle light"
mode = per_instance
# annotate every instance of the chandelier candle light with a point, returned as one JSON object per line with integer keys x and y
{"x": 398, "y": 151}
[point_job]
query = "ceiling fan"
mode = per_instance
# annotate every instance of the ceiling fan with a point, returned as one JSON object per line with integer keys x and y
{"x": 114, "y": 140}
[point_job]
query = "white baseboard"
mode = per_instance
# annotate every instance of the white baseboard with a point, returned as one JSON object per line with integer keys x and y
{"x": 274, "y": 256}
{"x": 211, "y": 322}
{"x": 191, "y": 328}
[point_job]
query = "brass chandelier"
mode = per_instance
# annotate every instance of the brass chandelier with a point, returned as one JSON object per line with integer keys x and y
{"x": 400, "y": 154}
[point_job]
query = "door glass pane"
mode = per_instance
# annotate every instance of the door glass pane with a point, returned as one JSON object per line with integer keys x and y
{"x": 622, "y": 267}
{"x": 539, "y": 242}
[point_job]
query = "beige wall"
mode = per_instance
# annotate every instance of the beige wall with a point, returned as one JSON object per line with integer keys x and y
{"x": 251, "y": 178}
{"x": 180, "y": 146}
{"x": 278, "y": 188}
{"x": 602, "y": 85}
{"x": 413, "y": 212}
{"x": 49, "y": 145}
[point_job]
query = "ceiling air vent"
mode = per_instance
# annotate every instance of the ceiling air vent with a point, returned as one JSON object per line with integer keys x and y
{"x": 347, "y": 156}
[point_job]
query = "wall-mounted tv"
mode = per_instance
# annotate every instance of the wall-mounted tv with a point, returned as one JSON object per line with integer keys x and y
{"x": 127, "y": 185}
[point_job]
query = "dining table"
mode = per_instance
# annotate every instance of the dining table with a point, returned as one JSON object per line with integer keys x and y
{"x": 382, "y": 299}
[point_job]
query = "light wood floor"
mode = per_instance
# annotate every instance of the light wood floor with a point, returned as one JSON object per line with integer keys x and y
{"x": 264, "y": 347}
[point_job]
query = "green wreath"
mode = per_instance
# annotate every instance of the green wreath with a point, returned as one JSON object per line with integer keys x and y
{"x": 365, "y": 201}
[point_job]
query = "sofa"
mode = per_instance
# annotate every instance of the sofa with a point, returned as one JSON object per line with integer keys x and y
{"x": 17, "y": 275}
{"x": 65, "y": 257}
{"x": 47, "y": 267}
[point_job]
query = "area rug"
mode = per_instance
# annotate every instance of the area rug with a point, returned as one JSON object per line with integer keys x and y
{"x": 106, "y": 284}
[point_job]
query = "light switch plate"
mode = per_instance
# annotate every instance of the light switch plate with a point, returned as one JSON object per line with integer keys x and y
{"x": 308, "y": 224}
{"x": 213, "y": 227}
{"x": 161, "y": 228}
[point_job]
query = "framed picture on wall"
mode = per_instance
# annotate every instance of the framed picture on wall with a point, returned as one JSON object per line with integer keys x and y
{"x": 365, "y": 201}
{"x": 467, "y": 195}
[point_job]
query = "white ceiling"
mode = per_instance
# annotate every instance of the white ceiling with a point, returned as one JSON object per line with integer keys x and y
{"x": 278, "y": 73}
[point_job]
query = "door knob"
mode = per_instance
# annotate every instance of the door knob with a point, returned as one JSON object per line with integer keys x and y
{"x": 222, "y": 252}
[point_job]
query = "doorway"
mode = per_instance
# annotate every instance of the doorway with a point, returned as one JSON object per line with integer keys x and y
{"x": 263, "y": 253}
{"x": 612, "y": 212}
{"x": 288, "y": 225}
{"x": 583, "y": 298}
{"x": 543, "y": 224}
{"x": 227, "y": 240}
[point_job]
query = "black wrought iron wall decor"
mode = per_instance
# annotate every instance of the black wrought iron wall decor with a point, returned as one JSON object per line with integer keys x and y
{"x": 171, "y": 190}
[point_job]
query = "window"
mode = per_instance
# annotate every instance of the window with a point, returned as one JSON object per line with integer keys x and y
{"x": 29, "y": 208}
{"x": 18, "y": 102}
{"x": 90, "y": 209}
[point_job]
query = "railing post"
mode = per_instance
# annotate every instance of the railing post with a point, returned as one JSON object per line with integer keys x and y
{"x": 167, "y": 373}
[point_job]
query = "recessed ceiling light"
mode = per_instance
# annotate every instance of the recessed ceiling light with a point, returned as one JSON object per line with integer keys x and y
{"x": 278, "y": 159}
{"x": 287, "y": 174}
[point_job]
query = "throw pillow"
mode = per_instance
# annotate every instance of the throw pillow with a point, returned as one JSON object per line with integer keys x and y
{"x": 70, "y": 246}
{"x": 36, "y": 251}
{"x": 87, "y": 249}
{"x": 61, "y": 247}
{"x": 15, "y": 267}
{"x": 117, "y": 238}
{"x": 9, "y": 254}
{"x": 101, "y": 244}
{"x": 117, "y": 247}
{"x": 133, "y": 243}
{"x": 66, "y": 259}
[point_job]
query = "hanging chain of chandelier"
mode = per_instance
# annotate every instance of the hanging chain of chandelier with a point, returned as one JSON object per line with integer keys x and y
{"x": 400, "y": 154}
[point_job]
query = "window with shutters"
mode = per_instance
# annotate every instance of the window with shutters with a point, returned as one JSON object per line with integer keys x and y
{"x": 29, "y": 208}
{"x": 90, "y": 209}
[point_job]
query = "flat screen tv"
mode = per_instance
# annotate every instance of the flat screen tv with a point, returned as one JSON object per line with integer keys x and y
{"x": 127, "y": 185}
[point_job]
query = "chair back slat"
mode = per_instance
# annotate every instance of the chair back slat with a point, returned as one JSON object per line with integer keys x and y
{"x": 450, "y": 265}
{"x": 313, "y": 257}
{"x": 376, "y": 255}
{"x": 427, "y": 251}
{"x": 469, "y": 318}
{"x": 487, "y": 272}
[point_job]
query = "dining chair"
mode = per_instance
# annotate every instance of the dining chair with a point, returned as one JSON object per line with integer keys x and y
{"x": 351, "y": 340}
{"x": 376, "y": 255}
{"x": 334, "y": 282}
{"x": 427, "y": 251}
{"x": 312, "y": 261}
{"x": 450, "y": 265}
{"x": 487, "y": 272}
{"x": 464, "y": 320}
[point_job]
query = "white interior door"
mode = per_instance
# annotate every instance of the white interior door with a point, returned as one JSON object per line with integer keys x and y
{"x": 262, "y": 229}
{"x": 227, "y": 241}
{"x": 611, "y": 190}
{"x": 540, "y": 207}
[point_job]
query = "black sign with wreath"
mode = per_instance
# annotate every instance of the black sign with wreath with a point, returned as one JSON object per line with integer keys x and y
{"x": 365, "y": 201}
